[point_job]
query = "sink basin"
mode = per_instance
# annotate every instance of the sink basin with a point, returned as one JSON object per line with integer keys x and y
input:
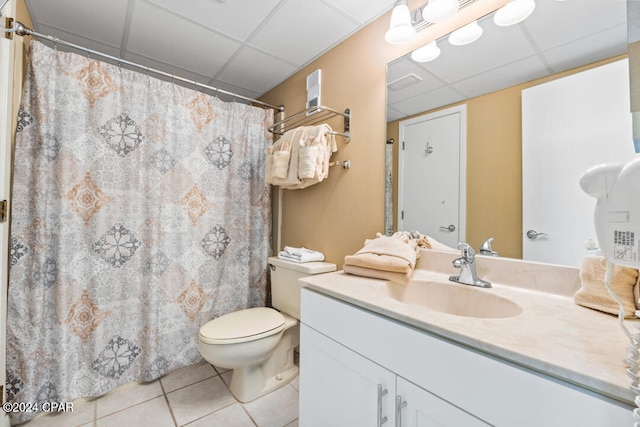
{"x": 453, "y": 298}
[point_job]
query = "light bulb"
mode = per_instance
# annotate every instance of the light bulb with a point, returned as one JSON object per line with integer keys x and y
{"x": 439, "y": 10}
{"x": 400, "y": 28}
{"x": 426, "y": 53}
{"x": 513, "y": 12}
{"x": 465, "y": 35}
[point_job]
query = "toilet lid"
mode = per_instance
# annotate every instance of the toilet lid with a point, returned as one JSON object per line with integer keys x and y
{"x": 242, "y": 325}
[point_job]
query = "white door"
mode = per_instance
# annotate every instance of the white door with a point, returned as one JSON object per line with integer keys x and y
{"x": 432, "y": 175}
{"x": 416, "y": 407}
{"x": 339, "y": 388}
{"x": 7, "y": 55}
{"x": 568, "y": 126}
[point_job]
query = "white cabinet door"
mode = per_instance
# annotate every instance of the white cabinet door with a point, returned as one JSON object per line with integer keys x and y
{"x": 338, "y": 387}
{"x": 419, "y": 408}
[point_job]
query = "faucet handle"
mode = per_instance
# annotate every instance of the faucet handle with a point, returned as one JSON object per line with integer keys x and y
{"x": 486, "y": 249}
{"x": 467, "y": 250}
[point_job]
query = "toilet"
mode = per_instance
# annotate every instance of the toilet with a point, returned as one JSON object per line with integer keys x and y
{"x": 258, "y": 343}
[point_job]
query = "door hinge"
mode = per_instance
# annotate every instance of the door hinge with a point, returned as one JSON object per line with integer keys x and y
{"x": 3, "y": 210}
{"x": 8, "y": 24}
{"x": 402, "y": 145}
{"x": 401, "y": 214}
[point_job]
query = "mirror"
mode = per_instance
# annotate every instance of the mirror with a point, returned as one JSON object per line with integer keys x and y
{"x": 558, "y": 36}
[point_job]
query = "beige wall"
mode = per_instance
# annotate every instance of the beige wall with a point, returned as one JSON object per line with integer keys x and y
{"x": 494, "y": 165}
{"x": 22, "y": 49}
{"x": 337, "y": 215}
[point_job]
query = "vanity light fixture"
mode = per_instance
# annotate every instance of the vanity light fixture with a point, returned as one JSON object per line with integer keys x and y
{"x": 401, "y": 28}
{"x": 513, "y": 12}
{"x": 405, "y": 24}
{"x": 426, "y": 53}
{"x": 465, "y": 35}
{"x": 439, "y": 10}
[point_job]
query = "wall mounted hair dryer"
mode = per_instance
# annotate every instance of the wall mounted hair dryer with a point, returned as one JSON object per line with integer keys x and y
{"x": 617, "y": 212}
{"x": 617, "y": 223}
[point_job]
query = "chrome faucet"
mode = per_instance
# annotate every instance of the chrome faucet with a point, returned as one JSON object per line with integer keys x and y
{"x": 486, "y": 249}
{"x": 467, "y": 265}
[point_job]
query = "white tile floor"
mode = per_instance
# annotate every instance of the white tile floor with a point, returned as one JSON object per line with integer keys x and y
{"x": 195, "y": 396}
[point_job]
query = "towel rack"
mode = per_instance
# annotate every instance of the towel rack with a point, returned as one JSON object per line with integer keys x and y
{"x": 311, "y": 116}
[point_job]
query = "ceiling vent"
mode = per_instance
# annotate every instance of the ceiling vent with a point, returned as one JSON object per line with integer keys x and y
{"x": 404, "y": 82}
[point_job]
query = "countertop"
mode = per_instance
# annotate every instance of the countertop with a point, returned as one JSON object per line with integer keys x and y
{"x": 551, "y": 335}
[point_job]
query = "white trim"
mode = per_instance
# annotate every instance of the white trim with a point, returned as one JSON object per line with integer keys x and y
{"x": 462, "y": 191}
{"x": 7, "y": 60}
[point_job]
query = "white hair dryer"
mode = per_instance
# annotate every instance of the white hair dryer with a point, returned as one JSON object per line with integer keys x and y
{"x": 617, "y": 222}
{"x": 617, "y": 212}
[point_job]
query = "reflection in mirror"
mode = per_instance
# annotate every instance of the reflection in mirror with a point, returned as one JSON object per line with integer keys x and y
{"x": 489, "y": 76}
{"x": 633, "y": 18}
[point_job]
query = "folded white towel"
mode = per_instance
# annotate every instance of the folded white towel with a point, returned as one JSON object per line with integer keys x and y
{"x": 300, "y": 255}
{"x": 308, "y": 157}
{"x": 281, "y": 164}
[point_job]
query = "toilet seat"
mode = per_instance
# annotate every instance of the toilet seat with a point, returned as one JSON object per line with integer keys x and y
{"x": 242, "y": 326}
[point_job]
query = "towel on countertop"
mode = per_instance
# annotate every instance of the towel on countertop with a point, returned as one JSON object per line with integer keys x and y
{"x": 385, "y": 253}
{"x": 402, "y": 278}
{"x": 387, "y": 257}
{"x": 593, "y": 292}
{"x": 300, "y": 255}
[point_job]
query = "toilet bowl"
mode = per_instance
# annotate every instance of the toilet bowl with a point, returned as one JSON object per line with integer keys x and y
{"x": 258, "y": 343}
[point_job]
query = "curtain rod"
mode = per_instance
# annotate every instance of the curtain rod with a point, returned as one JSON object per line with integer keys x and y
{"x": 21, "y": 30}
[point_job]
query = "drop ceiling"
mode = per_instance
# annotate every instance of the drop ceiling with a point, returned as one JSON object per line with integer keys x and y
{"x": 250, "y": 46}
{"x": 558, "y": 36}
{"x": 243, "y": 46}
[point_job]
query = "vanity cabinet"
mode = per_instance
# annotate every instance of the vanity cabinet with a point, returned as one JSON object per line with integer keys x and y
{"x": 343, "y": 388}
{"x": 348, "y": 354}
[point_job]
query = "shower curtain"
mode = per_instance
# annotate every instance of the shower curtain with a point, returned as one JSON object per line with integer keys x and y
{"x": 140, "y": 212}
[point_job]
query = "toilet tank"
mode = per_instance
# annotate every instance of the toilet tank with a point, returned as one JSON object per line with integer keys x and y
{"x": 285, "y": 287}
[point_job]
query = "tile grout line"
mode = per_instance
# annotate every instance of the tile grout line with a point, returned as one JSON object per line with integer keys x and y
{"x": 240, "y": 403}
{"x": 166, "y": 399}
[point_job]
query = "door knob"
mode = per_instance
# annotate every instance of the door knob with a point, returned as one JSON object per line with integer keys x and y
{"x": 450, "y": 228}
{"x": 533, "y": 234}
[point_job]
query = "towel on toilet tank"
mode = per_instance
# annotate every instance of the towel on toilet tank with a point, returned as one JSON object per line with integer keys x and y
{"x": 300, "y": 255}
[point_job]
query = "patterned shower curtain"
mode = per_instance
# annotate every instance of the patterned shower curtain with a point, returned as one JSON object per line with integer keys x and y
{"x": 140, "y": 212}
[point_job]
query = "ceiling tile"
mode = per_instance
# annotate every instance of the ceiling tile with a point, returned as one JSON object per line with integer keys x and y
{"x": 80, "y": 41}
{"x": 237, "y": 18}
{"x": 299, "y": 27}
{"x": 192, "y": 77}
{"x": 363, "y": 11}
{"x": 602, "y": 45}
{"x": 167, "y": 68}
{"x": 393, "y": 114}
{"x": 403, "y": 68}
{"x": 95, "y": 19}
{"x": 497, "y": 46}
{"x": 158, "y": 34}
{"x": 242, "y": 70}
{"x": 434, "y": 99}
{"x": 502, "y": 77}
{"x": 554, "y": 23}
